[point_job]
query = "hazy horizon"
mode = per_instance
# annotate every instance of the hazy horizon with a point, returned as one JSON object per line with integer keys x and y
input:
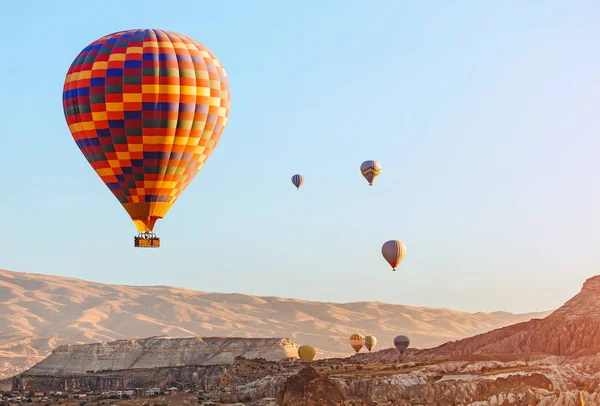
{"x": 483, "y": 117}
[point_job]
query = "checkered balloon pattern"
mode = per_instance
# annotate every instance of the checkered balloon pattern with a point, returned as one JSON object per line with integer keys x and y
{"x": 146, "y": 108}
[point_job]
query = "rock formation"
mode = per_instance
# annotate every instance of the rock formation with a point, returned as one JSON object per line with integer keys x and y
{"x": 195, "y": 376}
{"x": 573, "y": 330}
{"x": 308, "y": 388}
{"x": 204, "y": 377}
{"x": 159, "y": 352}
{"x": 467, "y": 380}
{"x": 444, "y": 382}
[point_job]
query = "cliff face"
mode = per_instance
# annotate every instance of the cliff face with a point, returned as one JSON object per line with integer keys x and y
{"x": 308, "y": 388}
{"x": 157, "y": 352}
{"x": 196, "y": 376}
{"x": 573, "y": 329}
{"x": 445, "y": 383}
{"x": 205, "y": 377}
{"x": 516, "y": 390}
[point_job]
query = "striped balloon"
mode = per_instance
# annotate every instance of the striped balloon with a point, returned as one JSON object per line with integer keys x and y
{"x": 297, "y": 180}
{"x": 357, "y": 341}
{"x": 394, "y": 252}
{"x": 147, "y": 108}
{"x": 370, "y": 170}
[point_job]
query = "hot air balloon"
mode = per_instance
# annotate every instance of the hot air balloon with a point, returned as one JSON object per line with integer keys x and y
{"x": 297, "y": 180}
{"x": 401, "y": 343}
{"x": 147, "y": 108}
{"x": 394, "y": 252}
{"x": 370, "y": 170}
{"x": 370, "y": 342}
{"x": 357, "y": 341}
{"x": 306, "y": 353}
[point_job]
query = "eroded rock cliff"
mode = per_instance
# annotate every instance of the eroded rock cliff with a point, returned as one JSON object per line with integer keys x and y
{"x": 158, "y": 352}
{"x": 309, "y": 388}
{"x": 573, "y": 329}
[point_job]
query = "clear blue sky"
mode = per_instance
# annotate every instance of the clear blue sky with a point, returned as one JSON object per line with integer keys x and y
{"x": 484, "y": 116}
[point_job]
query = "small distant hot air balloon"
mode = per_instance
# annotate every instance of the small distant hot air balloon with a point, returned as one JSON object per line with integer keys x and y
{"x": 357, "y": 341}
{"x": 370, "y": 170}
{"x": 401, "y": 343}
{"x": 370, "y": 342}
{"x": 394, "y": 252}
{"x": 297, "y": 180}
{"x": 307, "y": 353}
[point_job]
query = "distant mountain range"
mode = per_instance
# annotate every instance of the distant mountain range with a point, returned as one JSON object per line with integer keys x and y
{"x": 40, "y": 312}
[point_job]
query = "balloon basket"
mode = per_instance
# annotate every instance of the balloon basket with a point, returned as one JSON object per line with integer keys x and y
{"x": 146, "y": 240}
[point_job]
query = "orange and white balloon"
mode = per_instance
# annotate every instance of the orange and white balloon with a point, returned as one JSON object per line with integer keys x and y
{"x": 357, "y": 341}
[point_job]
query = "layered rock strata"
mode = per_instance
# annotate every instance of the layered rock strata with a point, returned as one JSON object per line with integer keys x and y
{"x": 158, "y": 352}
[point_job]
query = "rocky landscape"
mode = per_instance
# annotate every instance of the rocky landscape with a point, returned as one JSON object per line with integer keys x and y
{"x": 159, "y": 352}
{"x": 549, "y": 361}
{"x": 573, "y": 329}
{"x": 38, "y": 313}
{"x": 457, "y": 381}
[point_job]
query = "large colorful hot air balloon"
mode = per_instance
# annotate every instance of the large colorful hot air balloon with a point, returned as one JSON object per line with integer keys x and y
{"x": 394, "y": 252}
{"x": 370, "y": 342}
{"x": 357, "y": 341}
{"x": 147, "y": 108}
{"x": 370, "y": 170}
{"x": 297, "y": 180}
{"x": 307, "y": 353}
{"x": 401, "y": 343}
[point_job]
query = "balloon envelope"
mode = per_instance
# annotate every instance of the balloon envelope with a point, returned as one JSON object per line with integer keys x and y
{"x": 357, "y": 341}
{"x": 146, "y": 108}
{"x": 401, "y": 343}
{"x": 370, "y": 342}
{"x": 307, "y": 353}
{"x": 394, "y": 252}
{"x": 370, "y": 170}
{"x": 297, "y": 180}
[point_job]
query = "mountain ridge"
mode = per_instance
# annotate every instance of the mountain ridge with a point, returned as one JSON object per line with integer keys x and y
{"x": 571, "y": 330}
{"x": 39, "y": 312}
{"x": 51, "y": 276}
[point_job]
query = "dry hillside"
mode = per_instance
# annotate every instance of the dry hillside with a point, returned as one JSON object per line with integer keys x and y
{"x": 573, "y": 330}
{"x": 40, "y": 312}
